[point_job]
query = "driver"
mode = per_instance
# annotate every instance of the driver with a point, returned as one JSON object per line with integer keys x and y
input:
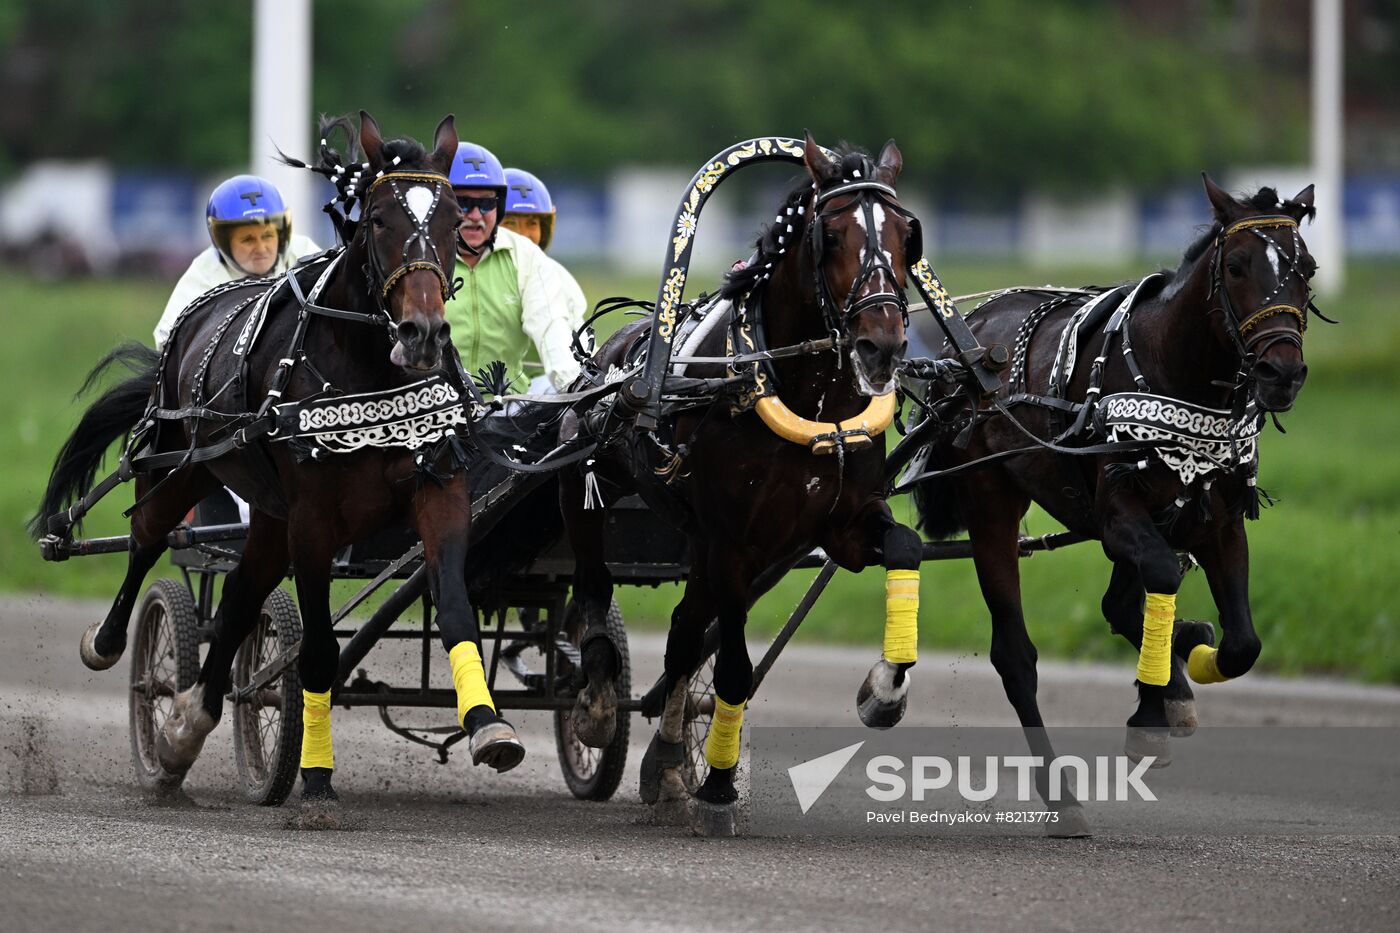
{"x": 250, "y": 230}
{"x": 510, "y": 297}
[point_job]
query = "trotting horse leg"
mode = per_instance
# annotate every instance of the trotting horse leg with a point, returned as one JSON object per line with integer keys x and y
{"x": 196, "y": 711}
{"x": 442, "y": 515}
{"x": 1129, "y": 536}
{"x": 717, "y": 799}
{"x": 312, "y": 547}
{"x": 104, "y": 642}
{"x": 1123, "y": 608}
{"x": 1225, "y": 560}
{"x": 661, "y": 783}
{"x": 993, "y": 516}
{"x": 883, "y": 696}
{"x": 595, "y": 710}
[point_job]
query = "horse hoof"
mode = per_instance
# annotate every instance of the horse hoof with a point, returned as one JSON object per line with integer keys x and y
{"x": 317, "y": 813}
{"x": 496, "y": 745}
{"x": 660, "y": 755}
{"x": 1070, "y": 823}
{"x": 1181, "y": 715}
{"x": 673, "y": 803}
{"x": 178, "y": 744}
{"x": 87, "y": 650}
{"x": 594, "y": 715}
{"x": 879, "y": 703}
{"x": 715, "y": 820}
{"x": 1141, "y": 743}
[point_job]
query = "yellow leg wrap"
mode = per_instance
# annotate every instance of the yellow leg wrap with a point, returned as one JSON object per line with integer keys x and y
{"x": 901, "y": 616}
{"x": 316, "y": 751}
{"x": 722, "y": 744}
{"x": 1155, "y": 657}
{"x": 1202, "y": 667}
{"x": 469, "y": 677}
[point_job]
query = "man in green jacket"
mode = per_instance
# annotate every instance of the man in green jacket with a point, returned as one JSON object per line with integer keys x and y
{"x": 509, "y": 297}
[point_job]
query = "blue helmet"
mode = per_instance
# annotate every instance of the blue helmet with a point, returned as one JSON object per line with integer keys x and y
{"x": 246, "y": 199}
{"x": 526, "y": 194}
{"x": 475, "y": 167}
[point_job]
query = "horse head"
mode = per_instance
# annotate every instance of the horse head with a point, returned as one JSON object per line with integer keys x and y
{"x": 408, "y": 228}
{"x": 859, "y": 241}
{"x": 1260, "y": 273}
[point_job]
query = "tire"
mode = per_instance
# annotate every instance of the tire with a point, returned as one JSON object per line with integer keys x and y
{"x": 699, "y": 710}
{"x": 595, "y": 773}
{"x": 267, "y": 728}
{"x": 164, "y": 660}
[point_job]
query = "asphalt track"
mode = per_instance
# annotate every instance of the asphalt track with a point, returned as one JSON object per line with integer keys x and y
{"x": 433, "y": 847}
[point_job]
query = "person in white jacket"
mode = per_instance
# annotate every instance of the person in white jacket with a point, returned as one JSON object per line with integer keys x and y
{"x": 250, "y": 230}
{"x": 510, "y": 296}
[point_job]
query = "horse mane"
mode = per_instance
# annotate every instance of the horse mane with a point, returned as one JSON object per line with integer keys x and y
{"x": 741, "y": 282}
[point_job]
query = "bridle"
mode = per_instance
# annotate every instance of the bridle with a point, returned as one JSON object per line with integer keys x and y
{"x": 874, "y": 262}
{"x": 419, "y": 251}
{"x": 1240, "y": 327}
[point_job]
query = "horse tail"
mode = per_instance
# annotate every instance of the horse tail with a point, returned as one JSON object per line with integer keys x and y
{"x": 937, "y": 504}
{"x": 114, "y": 413}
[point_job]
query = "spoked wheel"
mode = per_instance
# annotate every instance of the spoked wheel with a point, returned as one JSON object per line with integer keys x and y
{"x": 699, "y": 710}
{"x": 267, "y": 725}
{"x": 594, "y": 773}
{"x": 164, "y": 661}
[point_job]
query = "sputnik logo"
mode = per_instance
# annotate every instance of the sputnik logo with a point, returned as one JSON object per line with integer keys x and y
{"x": 811, "y": 778}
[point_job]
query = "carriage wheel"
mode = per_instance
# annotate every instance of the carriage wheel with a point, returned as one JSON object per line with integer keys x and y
{"x": 699, "y": 710}
{"x": 164, "y": 661}
{"x": 267, "y": 727}
{"x": 594, "y": 773}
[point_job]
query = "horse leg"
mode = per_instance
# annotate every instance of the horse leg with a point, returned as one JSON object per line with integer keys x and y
{"x": 1225, "y": 560}
{"x": 661, "y": 783}
{"x": 443, "y": 519}
{"x": 104, "y": 642}
{"x": 884, "y": 694}
{"x": 595, "y": 710}
{"x": 312, "y": 548}
{"x": 197, "y": 711}
{"x": 1129, "y": 536}
{"x": 717, "y": 799}
{"x": 1123, "y": 608}
{"x": 993, "y": 517}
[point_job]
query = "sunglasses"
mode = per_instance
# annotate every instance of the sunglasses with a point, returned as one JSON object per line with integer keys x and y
{"x": 486, "y": 205}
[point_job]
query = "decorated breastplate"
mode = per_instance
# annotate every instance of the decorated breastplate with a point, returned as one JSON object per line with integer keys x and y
{"x": 1194, "y": 441}
{"x": 410, "y": 417}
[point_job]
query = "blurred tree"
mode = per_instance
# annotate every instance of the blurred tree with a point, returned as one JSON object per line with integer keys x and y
{"x": 985, "y": 99}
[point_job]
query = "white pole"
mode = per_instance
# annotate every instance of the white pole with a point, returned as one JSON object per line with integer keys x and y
{"x": 282, "y": 101}
{"x": 1325, "y": 238}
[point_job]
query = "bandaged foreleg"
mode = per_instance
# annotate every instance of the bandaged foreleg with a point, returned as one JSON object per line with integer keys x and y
{"x": 901, "y": 616}
{"x": 469, "y": 679}
{"x": 316, "y": 751}
{"x": 1202, "y": 667}
{"x": 722, "y": 744}
{"x": 1155, "y": 655}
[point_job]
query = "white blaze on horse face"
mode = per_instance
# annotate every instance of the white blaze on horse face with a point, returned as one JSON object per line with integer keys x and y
{"x": 865, "y": 236}
{"x": 880, "y": 233}
{"x": 420, "y": 202}
{"x": 1272, "y": 252}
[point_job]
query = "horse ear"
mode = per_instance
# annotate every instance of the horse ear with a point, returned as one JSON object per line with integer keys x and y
{"x": 1225, "y": 207}
{"x": 445, "y": 144}
{"x": 823, "y": 170}
{"x": 1300, "y": 205}
{"x": 891, "y": 161}
{"x": 371, "y": 142}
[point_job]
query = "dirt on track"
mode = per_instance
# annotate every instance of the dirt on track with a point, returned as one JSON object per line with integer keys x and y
{"x": 452, "y": 847}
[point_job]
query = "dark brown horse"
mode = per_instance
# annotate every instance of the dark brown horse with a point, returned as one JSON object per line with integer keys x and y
{"x": 751, "y": 501}
{"x": 368, "y": 321}
{"x": 1222, "y": 332}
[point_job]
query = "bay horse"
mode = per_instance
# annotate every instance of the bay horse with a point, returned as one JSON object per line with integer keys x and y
{"x": 353, "y": 340}
{"x": 753, "y": 502}
{"x": 1219, "y": 339}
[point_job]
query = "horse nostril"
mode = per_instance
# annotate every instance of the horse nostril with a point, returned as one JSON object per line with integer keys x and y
{"x": 444, "y": 334}
{"x": 868, "y": 350}
{"x": 1265, "y": 371}
{"x": 1301, "y": 375}
{"x": 409, "y": 333}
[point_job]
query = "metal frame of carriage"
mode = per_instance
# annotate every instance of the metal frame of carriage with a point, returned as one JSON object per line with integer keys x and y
{"x": 176, "y": 616}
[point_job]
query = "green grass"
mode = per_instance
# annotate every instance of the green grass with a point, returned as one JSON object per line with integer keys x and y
{"x": 1325, "y": 577}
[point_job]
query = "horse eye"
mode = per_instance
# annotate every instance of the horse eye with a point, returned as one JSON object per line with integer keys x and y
{"x": 1235, "y": 269}
{"x": 378, "y": 222}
